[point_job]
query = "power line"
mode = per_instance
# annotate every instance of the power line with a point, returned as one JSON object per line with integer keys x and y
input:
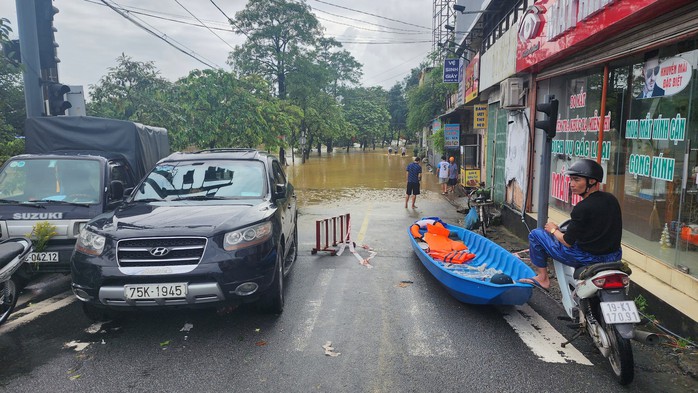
{"x": 368, "y": 23}
{"x": 390, "y": 69}
{"x": 374, "y": 15}
{"x": 230, "y": 20}
{"x": 203, "y": 24}
{"x": 124, "y": 13}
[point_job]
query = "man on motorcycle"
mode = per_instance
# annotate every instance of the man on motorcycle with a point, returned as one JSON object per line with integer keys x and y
{"x": 594, "y": 231}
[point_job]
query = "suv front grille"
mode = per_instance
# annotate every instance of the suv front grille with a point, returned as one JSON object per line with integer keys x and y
{"x": 160, "y": 251}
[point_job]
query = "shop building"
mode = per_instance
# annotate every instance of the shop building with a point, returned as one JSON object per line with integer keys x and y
{"x": 625, "y": 73}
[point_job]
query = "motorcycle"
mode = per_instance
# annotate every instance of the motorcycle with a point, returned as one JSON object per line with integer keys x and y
{"x": 595, "y": 298}
{"x": 13, "y": 253}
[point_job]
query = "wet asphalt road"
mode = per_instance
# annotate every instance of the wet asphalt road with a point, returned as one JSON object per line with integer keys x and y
{"x": 393, "y": 327}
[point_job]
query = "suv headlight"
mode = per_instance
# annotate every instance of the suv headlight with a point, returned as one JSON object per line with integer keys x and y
{"x": 246, "y": 237}
{"x": 89, "y": 242}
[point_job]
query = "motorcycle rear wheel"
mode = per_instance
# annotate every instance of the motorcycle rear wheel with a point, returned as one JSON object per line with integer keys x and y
{"x": 621, "y": 355}
{"x": 8, "y": 299}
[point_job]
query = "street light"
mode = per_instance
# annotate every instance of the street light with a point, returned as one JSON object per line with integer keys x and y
{"x": 461, "y": 9}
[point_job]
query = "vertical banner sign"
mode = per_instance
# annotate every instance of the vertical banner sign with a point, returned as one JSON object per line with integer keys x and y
{"x": 472, "y": 78}
{"x": 480, "y": 116}
{"x": 451, "y": 70}
{"x": 451, "y": 135}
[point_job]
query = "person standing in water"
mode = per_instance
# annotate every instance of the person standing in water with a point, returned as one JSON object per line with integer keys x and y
{"x": 414, "y": 176}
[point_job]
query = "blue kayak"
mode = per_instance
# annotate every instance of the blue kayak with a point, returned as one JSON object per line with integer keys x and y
{"x": 469, "y": 282}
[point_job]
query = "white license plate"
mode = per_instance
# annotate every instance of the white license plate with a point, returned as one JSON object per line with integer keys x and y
{"x": 620, "y": 312}
{"x": 155, "y": 291}
{"x": 38, "y": 257}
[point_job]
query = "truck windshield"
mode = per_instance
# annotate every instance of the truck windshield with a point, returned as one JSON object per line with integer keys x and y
{"x": 51, "y": 179}
{"x": 223, "y": 179}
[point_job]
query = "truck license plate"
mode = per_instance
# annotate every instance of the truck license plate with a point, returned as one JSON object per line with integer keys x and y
{"x": 620, "y": 312}
{"x": 37, "y": 257}
{"x": 155, "y": 291}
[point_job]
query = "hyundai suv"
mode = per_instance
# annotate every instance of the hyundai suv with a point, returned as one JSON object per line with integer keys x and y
{"x": 207, "y": 228}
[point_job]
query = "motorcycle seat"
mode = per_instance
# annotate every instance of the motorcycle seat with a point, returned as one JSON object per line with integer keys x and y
{"x": 583, "y": 272}
{"x": 8, "y": 252}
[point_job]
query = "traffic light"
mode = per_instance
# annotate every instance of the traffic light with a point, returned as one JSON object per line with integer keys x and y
{"x": 549, "y": 125}
{"x": 48, "y": 56}
{"x": 57, "y": 104}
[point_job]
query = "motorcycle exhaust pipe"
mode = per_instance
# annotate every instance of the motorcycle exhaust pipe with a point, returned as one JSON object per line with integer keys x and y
{"x": 645, "y": 337}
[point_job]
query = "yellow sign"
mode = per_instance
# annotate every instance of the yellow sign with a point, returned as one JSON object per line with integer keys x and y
{"x": 480, "y": 116}
{"x": 472, "y": 177}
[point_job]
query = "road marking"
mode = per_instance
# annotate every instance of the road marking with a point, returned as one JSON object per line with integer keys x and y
{"x": 543, "y": 340}
{"x": 364, "y": 226}
{"x": 35, "y": 311}
{"x": 305, "y": 328}
{"x": 435, "y": 343}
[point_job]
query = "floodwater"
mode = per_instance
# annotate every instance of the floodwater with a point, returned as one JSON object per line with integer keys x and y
{"x": 342, "y": 174}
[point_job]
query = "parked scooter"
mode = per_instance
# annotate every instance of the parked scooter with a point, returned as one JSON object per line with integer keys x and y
{"x": 596, "y": 299}
{"x": 13, "y": 252}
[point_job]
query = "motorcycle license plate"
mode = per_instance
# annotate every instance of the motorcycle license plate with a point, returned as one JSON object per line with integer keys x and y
{"x": 620, "y": 312}
{"x": 40, "y": 257}
{"x": 155, "y": 291}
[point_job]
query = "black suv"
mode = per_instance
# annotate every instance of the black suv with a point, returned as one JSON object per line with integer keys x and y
{"x": 213, "y": 227}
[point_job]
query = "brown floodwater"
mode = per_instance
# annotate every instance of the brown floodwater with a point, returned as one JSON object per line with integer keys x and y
{"x": 343, "y": 174}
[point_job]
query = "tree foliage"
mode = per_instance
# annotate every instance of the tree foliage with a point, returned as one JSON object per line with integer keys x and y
{"x": 426, "y": 101}
{"x": 277, "y": 33}
{"x": 12, "y": 106}
{"x": 133, "y": 90}
{"x": 367, "y": 110}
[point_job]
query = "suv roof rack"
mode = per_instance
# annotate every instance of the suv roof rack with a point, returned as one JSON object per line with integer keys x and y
{"x": 226, "y": 149}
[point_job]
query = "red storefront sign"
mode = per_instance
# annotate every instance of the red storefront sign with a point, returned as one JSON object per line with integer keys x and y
{"x": 553, "y": 29}
{"x": 472, "y": 78}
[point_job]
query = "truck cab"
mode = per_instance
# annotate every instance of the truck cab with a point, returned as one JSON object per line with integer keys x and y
{"x": 65, "y": 190}
{"x": 76, "y": 168}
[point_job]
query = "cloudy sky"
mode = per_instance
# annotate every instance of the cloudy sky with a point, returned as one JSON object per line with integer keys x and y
{"x": 389, "y": 37}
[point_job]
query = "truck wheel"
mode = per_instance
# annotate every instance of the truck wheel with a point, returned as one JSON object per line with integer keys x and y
{"x": 274, "y": 300}
{"x": 8, "y": 299}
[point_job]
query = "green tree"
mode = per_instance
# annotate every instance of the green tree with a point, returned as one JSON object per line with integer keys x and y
{"x": 133, "y": 90}
{"x": 397, "y": 107}
{"x": 223, "y": 111}
{"x": 426, "y": 101}
{"x": 367, "y": 110}
{"x": 277, "y": 32}
{"x": 12, "y": 106}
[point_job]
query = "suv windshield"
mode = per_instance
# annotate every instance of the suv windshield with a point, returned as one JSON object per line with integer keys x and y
{"x": 54, "y": 179}
{"x": 219, "y": 179}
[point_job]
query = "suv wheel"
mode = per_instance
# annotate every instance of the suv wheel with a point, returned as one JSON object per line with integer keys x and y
{"x": 293, "y": 251}
{"x": 274, "y": 302}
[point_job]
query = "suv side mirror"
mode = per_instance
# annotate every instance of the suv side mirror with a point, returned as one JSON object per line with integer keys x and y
{"x": 117, "y": 190}
{"x": 280, "y": 191}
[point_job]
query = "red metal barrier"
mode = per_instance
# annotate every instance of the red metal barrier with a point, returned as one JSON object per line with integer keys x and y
{"x": 334, "y": 226}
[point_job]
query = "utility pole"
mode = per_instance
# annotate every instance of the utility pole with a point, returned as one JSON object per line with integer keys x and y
{"x": 28, "y": 42}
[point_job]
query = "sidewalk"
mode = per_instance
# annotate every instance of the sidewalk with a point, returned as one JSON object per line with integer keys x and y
{"x": 684, "y": 361}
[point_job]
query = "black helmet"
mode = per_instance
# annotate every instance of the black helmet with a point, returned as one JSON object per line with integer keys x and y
{"x": 501, "y": 278}
{"x": 586, "y": 168}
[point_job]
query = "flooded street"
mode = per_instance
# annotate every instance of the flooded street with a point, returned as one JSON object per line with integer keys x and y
{"x": 342, "y": 174}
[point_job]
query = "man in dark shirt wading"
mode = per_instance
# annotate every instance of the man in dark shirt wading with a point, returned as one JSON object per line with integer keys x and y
{"x": 593, "y": 234}
{"x": 414, "y": 175}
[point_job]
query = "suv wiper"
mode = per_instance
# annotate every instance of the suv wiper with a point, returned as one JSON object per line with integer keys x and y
{"x": 53, "y": 201}
{"x": 148, "y": 200}
{"x": 32, "y": 204}
{"x": 201, "y": 198}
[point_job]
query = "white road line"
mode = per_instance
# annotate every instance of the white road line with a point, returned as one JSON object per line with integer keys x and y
{"x": 37, "y": 310}
{"x": 305, "y": 328}
{"x": 435, "y": 343}
{"x": 543, "y": 340}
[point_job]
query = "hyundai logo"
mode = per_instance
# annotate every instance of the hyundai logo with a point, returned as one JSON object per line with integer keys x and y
{"x": 159, "y": 251}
